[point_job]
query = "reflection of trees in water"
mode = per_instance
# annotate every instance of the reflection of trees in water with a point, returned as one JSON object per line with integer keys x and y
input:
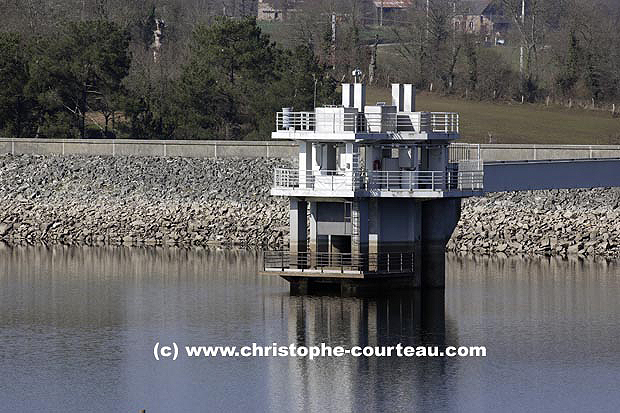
{"x": 524, "y": 288}
{"x": 368, "y": 383}
{"x": 105, "y": 286}
{"x": 107, "y": 261}
{"x": 524, "y": 303}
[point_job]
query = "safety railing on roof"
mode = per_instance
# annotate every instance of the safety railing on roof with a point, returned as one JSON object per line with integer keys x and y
{"x": 337, "y": 122}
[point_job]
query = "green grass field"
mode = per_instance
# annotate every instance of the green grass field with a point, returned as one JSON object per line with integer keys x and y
{"x": 516, "y": 123}
{"x": 503, "y": 122}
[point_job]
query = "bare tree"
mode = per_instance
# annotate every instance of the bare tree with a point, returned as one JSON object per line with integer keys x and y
{"x": 532, "y": 20}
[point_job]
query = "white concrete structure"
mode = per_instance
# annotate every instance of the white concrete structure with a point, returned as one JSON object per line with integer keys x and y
{"x": 377, "y": 189}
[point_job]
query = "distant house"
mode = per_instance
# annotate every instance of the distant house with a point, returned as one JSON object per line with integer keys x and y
{"x": 276, "y": 10}
{"x": 485, "y": 18}
{"x": 267, "y": 11}
{"x": 389, "y": 11}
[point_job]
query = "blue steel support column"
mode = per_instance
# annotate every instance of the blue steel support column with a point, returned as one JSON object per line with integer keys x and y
{"x": 298, "y": 230}
{"x": 374, "y": 231}
{"x": 439, "y": 218}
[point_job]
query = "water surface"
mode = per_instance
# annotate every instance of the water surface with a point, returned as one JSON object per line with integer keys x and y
{"x": 78, "y": 325}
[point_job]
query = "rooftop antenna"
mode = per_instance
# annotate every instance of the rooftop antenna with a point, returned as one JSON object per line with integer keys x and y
{"x": 357, "y": 75}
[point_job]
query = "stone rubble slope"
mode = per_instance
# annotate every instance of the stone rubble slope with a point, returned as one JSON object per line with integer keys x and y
{"x": 92, "y": 200}
{"x": 552, "y": 222}
{"x": 140, "y": 200}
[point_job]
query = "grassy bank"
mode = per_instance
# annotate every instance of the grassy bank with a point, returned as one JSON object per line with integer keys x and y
{"x": 516, "y": 123}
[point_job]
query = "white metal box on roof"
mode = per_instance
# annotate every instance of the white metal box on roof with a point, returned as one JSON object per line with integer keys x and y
{"x": 336, "y": 119}
{"x": 380, "y": 118}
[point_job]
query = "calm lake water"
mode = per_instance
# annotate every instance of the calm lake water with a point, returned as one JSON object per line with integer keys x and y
{"x": 78, "y": 326}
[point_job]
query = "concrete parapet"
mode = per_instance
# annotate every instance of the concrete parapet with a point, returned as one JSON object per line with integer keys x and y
{"x": 134, "y": 147}
{"x": 269, "y": 149}
{"x": 518, "y": 152}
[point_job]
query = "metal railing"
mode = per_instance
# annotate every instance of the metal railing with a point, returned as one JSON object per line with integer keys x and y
{"x": 472, "y": 180}
{"x": 406, "y": 180}
{"x": 447, "y": 122}
{"x": 459, "y": 152}
{"x": 425, "y": 180}
{"x": 335, "y": 122}
{"x": 286, "y": 178}
{"x": 317, "y": 180}
{"x": 382, "y": 262}
{"x": 379, "y": 180}
{"x": 295, "y": 121}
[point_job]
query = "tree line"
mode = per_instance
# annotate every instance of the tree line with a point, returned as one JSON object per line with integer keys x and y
{"x": 570, "y": 51}
{"x": 203, "y": 69}
{"x": 570, "y": 47}
{"x": 96, "y": 78}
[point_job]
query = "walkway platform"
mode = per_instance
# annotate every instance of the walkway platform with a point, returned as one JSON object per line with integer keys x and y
{"x": 339, "y": 265}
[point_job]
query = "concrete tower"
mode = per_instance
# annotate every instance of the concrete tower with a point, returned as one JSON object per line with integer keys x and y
{"x": 376, "y": 195}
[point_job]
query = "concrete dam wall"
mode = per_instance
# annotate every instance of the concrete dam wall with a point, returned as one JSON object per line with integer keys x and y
{"x": 134, "y": 200}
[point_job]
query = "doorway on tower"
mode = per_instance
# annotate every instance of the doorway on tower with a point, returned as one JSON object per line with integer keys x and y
{"x": 334, "y": 251}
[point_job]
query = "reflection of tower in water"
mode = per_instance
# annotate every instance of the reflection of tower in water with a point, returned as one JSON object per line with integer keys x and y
{"x": 416, "y": 318}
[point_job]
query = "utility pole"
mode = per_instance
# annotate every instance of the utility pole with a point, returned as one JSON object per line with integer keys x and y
{"x": 453, "y": 27}
{"x": 522, "y": 34}
{"x": 381, "y": 15}
{"x": 333, "y": 40}
{"x": 315, "y": 82}
{"x": 372, "y": 67}
{"x": 427, "y": 14}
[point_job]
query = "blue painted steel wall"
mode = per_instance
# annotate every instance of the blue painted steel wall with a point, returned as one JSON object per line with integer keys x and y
{"x": 555, "y": 174}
